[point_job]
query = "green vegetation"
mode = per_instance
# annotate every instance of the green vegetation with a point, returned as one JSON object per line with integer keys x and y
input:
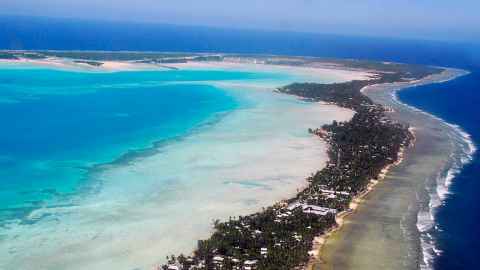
{"x": 91, "y": 63}
{"x": 14, "y": 55}
{"x": 112, "y": 56}
{"x": 280, "y": 236}
{"x": 9, "y": 56}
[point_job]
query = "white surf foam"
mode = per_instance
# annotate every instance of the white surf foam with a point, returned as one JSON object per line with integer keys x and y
{"x": 464, "y": 150}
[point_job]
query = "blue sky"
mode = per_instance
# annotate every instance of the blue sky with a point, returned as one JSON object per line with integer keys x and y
{"x": 429, "y": 19}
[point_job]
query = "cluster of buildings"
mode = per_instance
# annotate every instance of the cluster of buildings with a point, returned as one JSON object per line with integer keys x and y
{"x": 312, "y": 209}
{"x": 281, "y": 236}
{"x": 218, "y": 264}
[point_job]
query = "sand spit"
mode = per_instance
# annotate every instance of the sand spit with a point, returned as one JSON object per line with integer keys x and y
{"x": 71, "y": 65}
{"x": 303, "y": 73}
{"x": 306, "y": 73}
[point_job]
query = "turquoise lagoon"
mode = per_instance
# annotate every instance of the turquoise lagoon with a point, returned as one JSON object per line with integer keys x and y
{"x": 115, "y": 170}
{"x": 59, "y": 124}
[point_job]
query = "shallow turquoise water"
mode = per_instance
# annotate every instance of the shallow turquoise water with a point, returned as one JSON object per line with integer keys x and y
{"x": 57, "y": 125}
{"x": 118, "y": 170}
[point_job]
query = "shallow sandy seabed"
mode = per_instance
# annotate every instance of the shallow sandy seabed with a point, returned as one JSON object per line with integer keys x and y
{"x": 308, "y": 74}
{"x": 161, "y": 204}
{"x": 302, "y": 72}
{"x": 67, "y": 64}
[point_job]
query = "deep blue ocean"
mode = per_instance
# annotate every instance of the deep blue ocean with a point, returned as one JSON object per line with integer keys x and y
{"x": 456, "y": 101}
{"x": 457, "y": 232}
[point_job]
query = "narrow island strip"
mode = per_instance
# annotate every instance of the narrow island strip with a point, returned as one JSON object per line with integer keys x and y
{"x": 288, "y": 235}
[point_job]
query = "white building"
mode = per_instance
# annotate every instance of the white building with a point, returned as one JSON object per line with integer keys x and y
{"x": 312, "y": 209}
{"x": 250, "y": 264}
{"x": 264, "y": 251}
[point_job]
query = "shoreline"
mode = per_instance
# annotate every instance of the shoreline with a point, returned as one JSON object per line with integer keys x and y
{"x": 338, "y": 239}
{"x": 463, "y": 149}
{"x": 238, "y": 185}
{"x": 342, "y": 217}
{"x": 360, "y": 199}
{"x": 369, "y": 117}
{"x": 76, "y": 65}
{"x": 302, "y": 73}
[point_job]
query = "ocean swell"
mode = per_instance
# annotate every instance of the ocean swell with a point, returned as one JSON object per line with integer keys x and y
{"x": 438, "y": 188}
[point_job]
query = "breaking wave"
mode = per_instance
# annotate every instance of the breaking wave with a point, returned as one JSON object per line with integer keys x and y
{"x": 438, "y": 189}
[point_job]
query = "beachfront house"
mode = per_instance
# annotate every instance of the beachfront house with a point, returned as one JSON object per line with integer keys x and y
{"x": 312, "y": 209}
{"x": 218, "y": 262}
{"x": 250, "y": 265}
{"x": 264, "y": 251}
